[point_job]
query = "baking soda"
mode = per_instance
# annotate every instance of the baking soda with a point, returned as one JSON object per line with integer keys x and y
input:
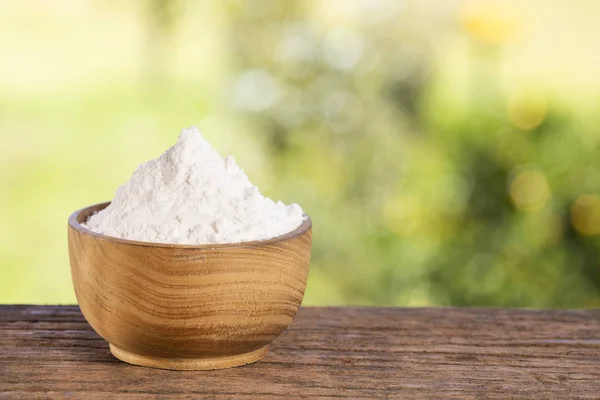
{"x": 191, "y": 195}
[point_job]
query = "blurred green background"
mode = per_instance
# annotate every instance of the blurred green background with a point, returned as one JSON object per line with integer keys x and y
{"x": 447, "y": 151}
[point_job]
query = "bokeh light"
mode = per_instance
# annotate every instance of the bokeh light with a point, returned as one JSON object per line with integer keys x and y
{"x": 529, "y": 190}
{"x": 585, "y": 214}
{"x": 491, "y": 21}
{"x": 527, "y": 109}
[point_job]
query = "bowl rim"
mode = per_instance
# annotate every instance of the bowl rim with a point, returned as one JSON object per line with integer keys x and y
{"x": 74, "y": 224}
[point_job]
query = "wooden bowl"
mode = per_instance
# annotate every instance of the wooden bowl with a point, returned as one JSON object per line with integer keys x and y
{"x": 188, "y": 307}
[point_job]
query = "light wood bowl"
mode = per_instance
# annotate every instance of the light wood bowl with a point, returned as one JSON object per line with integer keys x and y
{"x": 188, "y": 307}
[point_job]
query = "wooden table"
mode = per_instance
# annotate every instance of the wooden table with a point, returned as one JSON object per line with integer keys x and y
{"x": 51, "y": 352}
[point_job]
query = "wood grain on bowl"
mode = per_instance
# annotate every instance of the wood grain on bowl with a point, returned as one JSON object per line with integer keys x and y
{"x": 185, "y": 306}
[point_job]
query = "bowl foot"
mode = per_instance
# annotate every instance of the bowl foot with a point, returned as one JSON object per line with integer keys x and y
{"x": 189, "y": 363}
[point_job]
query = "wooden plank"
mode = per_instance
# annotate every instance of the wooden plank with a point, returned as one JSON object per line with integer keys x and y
{"x": 51, "y": 352}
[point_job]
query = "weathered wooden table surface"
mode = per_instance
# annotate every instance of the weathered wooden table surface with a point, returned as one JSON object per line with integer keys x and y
{"x": 51, "y": 352}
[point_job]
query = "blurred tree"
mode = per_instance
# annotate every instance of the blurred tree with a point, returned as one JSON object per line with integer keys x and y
{"x": 415, "y": 200}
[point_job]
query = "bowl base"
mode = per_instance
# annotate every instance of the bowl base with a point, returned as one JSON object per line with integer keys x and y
{"x": 194, "y": 364}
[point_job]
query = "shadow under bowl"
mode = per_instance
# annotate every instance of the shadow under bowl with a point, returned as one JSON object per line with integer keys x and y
{"x": 188, "y": 307}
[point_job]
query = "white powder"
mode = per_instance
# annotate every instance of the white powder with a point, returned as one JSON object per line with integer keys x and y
{"x": 191, "y": 195}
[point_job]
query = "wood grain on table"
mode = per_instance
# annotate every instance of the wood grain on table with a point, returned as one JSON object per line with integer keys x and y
{"x": 51, "y": 352}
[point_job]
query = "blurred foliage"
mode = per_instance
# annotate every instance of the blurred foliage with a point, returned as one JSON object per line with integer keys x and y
{"x": 446, "y": 151}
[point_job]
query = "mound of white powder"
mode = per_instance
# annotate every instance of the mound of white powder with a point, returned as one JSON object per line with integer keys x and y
{"x": 191, "y": 195}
